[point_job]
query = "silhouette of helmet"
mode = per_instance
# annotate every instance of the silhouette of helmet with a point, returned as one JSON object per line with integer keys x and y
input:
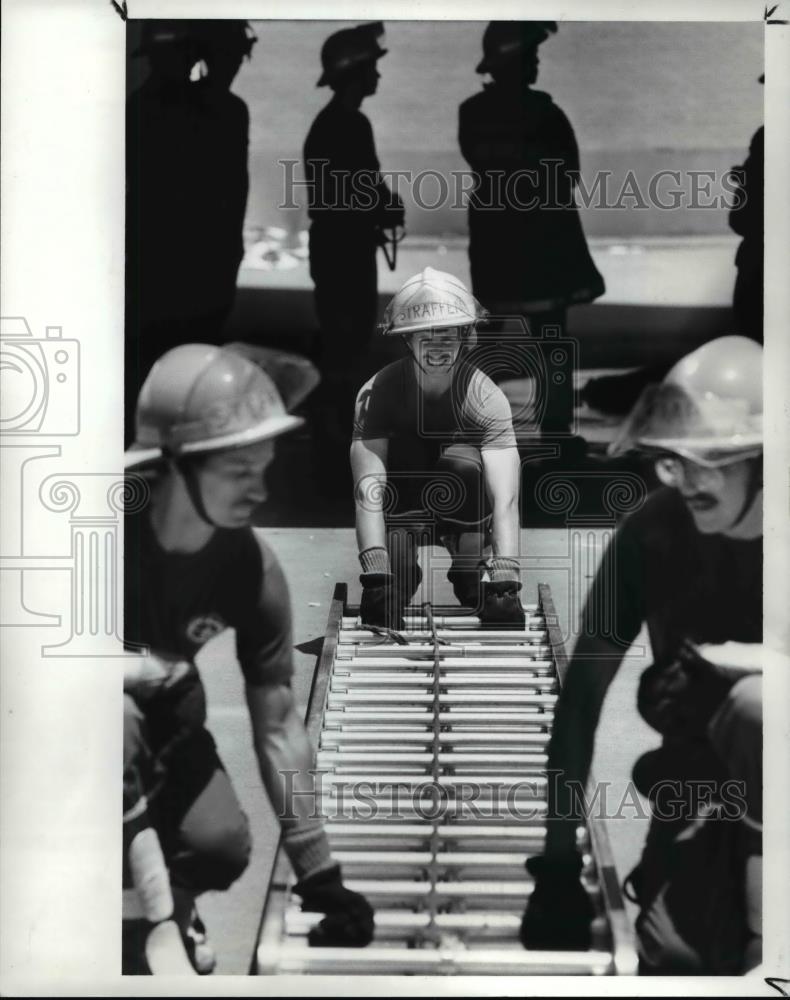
{"x": 506, "y": 40}
{"x": 163, "y": 33}
{"x": 349, "y": 48}
{"x": 199, "y": 398}
{"x": 709, "y": 406}
{"x": 430, "y": 300}
{"x": 225, "y": 35}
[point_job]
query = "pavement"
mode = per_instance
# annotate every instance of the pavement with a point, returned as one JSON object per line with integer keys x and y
{"x": 314, "y": 560}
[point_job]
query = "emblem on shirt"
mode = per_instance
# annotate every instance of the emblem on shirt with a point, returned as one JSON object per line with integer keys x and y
{"x": 204, "y": 627}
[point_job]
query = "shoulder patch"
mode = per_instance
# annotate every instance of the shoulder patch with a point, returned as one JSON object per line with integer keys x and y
{"x": 204, "y": 627}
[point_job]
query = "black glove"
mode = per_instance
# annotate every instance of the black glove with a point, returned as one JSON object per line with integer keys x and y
{"x": 380, "y": 604}
{"x": 502, "y": 606}
{"x": 349, "y": 917}
{"x": 679, "y": 699}
{"x": 559, "y": 912}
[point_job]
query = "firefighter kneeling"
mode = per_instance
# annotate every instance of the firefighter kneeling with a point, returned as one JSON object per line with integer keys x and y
{"x": 689, "y": 565}
{"x": 434, "y": 444}
{"x": 194, "y": 567}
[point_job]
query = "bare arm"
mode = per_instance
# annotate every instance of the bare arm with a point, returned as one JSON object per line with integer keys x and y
{"x": 593, "y": 666}
{"x": 369, "y": 469}
{"x": 502, "y": 472}
{"x": 285, "y": 756}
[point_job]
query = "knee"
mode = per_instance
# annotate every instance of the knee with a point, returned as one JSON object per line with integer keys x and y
{"x": 735, "y": 732}
{"x": 739, "y": 720}
{"x": 466, "y": 498}
{"x": 747, "y": 699}
{"x": 225, "y": 853}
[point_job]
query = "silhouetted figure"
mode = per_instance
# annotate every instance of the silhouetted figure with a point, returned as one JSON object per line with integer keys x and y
{"x": 161, "y": 149}
{"x": 225, "y": 126}
{"x": 746, "y": 219}
{"x": 349, "y": 203}
{"x": 186, "y": 191}
{"x": 527, "y": 249}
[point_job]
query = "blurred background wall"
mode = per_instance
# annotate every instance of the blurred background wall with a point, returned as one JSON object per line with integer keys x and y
{"x": 641, "y": 97}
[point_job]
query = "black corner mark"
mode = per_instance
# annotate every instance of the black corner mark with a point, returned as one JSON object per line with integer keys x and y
{"x": 768, "y": 16}
{"x": 779, "y": 985}
{"x": 123, "y": 13}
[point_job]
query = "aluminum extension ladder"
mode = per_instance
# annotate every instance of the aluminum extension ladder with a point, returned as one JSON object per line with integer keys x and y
{"x": 433, "y": 788}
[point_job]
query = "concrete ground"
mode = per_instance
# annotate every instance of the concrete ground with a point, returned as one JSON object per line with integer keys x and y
{"x": 314, "y": 559}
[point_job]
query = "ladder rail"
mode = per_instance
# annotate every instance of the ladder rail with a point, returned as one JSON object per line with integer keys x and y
{"x": 281, "y": 945}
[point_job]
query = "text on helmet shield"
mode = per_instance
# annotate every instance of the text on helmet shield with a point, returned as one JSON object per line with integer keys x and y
{"x": 430, "y": 310}
{"x": 241, "y": 413}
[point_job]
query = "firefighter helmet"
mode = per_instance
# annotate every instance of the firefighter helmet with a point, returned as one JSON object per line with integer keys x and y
{"x": 160, "y": 34}
{"x": 709, "y": 406}
{"x": 430, "y": 300}
{"x": 199, "y": 398}
{"x": 504, "y": 40}
{"x": 349, "y": 48}
{"x": 224, "y": 35}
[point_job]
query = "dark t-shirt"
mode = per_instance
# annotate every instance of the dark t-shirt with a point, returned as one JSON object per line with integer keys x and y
{"x": 685, "y": 585}
{"x": 176, "y": 602}
{"x": 473, "y": 411}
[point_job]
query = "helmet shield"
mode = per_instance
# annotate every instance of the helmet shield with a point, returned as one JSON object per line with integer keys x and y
{"x": 505, "y": 41}
{"x": 351, "y": 47}
{"x": 705, "y": 428}
{"x": 431, "y": 300}
{"x": 198, "y": 399}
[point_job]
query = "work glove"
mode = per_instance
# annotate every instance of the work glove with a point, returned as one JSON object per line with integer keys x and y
{"x": 559, "y": 912}
{"x": 380, "y": 604}
{"x": 680, "y": 698}
{"x": 349, "y": 916}
{"x": 501, "y": 606}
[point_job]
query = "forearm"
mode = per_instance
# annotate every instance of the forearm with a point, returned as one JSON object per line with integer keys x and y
{"x": 569, "y": 759}
{"x": 572, "y": 744}
{"x": 505, "y": 528}
{"x": 285, "y": 759}
{"x": 370, "y": 526}
{"x": 369, "y": 469}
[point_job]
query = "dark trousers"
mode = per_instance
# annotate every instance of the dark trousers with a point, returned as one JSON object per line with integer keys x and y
{"x": 436, "y": 493}
{"x": 690, "y": 880}
{"x": 185, "y": 793}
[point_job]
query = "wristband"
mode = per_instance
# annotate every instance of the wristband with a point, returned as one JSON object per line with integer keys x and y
{"x": 375, "y": 560}
{"x": 503, "y": 569}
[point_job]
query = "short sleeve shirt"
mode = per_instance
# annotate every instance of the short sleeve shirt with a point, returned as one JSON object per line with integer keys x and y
{"x": 473, "y": 411}
{"x": 683, "y": 584}
{"x": 176, "y": 602}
